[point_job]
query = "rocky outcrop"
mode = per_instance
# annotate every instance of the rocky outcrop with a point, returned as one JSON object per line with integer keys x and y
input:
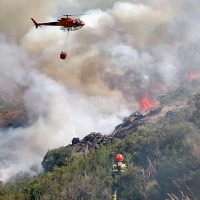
{"x": 128, "y": 126}
{"x": 134, "y": 122}
{"x": 91, "y": 141}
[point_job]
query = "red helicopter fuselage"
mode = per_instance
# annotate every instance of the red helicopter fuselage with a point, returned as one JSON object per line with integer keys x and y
{"x": 70, "y": 24}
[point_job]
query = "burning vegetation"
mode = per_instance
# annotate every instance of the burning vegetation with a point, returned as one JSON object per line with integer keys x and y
{"x": 146, "y": 104}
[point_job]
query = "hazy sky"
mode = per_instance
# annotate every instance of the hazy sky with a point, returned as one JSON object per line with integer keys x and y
{"x": 124, "y": 50}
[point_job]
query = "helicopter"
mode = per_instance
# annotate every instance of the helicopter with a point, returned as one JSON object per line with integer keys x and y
{"x": 66, "y": 23}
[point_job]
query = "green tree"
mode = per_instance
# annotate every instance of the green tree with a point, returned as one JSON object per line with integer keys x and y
{"x": 57, "y": 157}
{"x": 196, "y": 113}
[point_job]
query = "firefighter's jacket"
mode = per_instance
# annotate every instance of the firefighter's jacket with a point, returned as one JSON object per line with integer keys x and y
{"x": 118, "y": 168}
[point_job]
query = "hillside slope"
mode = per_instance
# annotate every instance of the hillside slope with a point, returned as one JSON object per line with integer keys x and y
{"x": 162, "y": 158}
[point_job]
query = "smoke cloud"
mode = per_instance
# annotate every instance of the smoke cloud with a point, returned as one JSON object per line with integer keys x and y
{"x": 125, "y": 49}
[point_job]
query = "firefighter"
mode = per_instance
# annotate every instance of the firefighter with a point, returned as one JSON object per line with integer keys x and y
{"x": 119, "y": 166}
{"x": 117, "y": 169}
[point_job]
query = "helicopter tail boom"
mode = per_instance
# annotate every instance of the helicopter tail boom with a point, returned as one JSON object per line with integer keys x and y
{"x": 36, "y": 24}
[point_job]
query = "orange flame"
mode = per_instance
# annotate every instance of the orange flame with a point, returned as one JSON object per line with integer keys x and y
{"x": 146, "y": 104}
{"x": 194, "y": 75}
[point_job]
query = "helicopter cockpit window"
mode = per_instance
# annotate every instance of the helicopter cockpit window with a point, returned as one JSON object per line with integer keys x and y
{"x": 76, "y": 22}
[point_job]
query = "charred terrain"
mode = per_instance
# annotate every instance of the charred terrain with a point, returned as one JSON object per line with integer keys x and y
{"x": 161, "y": 147}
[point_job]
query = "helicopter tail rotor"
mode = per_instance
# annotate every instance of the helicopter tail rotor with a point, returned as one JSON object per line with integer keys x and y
{"x": 36, "y": 24}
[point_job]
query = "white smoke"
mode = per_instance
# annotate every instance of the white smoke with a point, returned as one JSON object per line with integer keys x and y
{"x": 124, "y": 49}
{"x": 56, "y": 109}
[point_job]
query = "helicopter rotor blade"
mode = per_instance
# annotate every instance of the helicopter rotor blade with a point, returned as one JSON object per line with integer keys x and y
{"x": 66, "y": 15}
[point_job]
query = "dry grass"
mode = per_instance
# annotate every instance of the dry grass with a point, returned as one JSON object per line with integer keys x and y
{"x": 174, "y": 197}
{"x": 180, "y": 184}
